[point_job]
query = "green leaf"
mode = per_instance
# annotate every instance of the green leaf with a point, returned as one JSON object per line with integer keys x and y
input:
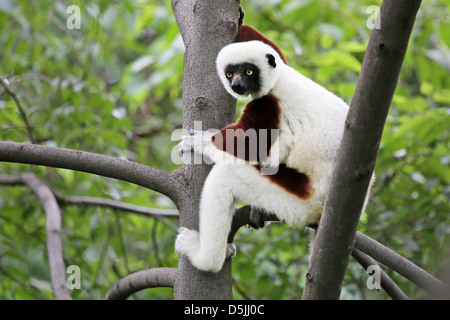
{"x": 338, "y": 58}
{"x": 442, "y": 96}
{"x": 353, "y": 47}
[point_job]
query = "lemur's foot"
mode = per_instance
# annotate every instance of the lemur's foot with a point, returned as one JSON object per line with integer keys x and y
{"x": 188, "y": 244}
{"x": 258, "y": 217}
{"x": 231, "y": 250}
{"x": 188, "y": 241}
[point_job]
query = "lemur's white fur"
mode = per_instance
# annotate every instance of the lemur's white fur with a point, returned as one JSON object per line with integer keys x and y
{"x": 311, "y": 124}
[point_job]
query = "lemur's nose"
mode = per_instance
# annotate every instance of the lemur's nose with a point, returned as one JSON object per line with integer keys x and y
{"x": 238, "y": 86}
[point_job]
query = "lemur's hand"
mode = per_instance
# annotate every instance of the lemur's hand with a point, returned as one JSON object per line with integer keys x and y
{"x": 199, "y": 143}
{"x": 195, "y": 142}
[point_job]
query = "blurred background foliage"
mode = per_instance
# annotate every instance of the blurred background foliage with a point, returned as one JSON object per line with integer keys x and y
{"x": 114, "y": 87}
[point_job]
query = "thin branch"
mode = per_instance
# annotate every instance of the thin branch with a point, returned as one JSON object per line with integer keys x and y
{"x": 403, "y": 266}
{"x": 106, "y": 166}
{"x": 11, "y": 180}
{"x": 21, "y": 110}
{"x": 118, "y": 205}
{"x": 53, "y": 228}
{"x": 159, "y": 214}
{"x": 144, "y": 279}
{"x": 387, "y": 283}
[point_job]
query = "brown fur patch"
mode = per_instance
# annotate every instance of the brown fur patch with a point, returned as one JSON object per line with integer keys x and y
{"x": 294, "y": 182}
{"x": 260, "y": 114}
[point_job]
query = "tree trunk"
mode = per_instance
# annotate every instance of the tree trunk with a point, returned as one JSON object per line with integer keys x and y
{"x": 206, "y": 27}
{"x": 359, "y": 148}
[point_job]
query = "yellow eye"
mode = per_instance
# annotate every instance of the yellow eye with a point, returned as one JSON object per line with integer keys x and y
{"x": 229, "y": 74}
{"x": 249, "y": 72}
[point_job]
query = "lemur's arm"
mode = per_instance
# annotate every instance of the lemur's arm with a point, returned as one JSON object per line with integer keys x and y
{"x": 200, "y": 143}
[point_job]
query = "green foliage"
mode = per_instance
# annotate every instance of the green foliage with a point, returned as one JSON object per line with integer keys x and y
{"x": 88, "y": 89}
{"x": 114, "y": 87}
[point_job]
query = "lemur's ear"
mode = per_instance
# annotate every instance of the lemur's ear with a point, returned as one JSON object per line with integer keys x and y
{"x": 271, "y": 60}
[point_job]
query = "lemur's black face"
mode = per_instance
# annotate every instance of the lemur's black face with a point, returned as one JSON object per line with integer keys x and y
{"x": 244, "y": 78}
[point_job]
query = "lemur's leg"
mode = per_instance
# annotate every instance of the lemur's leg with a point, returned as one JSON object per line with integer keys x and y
{"x": 207, "y": 249}
{"x": 225, "y": 185}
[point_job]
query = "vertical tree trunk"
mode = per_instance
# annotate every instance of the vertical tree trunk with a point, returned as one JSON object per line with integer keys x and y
{"x": 359, "y": 148}
{"x": 206, "y": 27}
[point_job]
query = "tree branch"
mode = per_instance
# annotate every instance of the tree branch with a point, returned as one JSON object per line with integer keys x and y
{"x": 53, "y": 228}
{"x": 11, "y": 180}
{"x": 403, "y": 266}
{"x": 106, "y": 166}
{"x": 357, "y": 153}
{"x": 160, "y": 214}
{"x": 21, "y": 110}
{"x": 118, "y": 205}
{"x": 387, "y": 283}
{"x": 149, "y": 278}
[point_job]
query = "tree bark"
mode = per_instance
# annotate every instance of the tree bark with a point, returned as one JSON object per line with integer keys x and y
{"x": 359, "y": 147}
{"x": 206, "y": 27}
{"x": 53, "y": 230}
{"x": 144, "y": 279}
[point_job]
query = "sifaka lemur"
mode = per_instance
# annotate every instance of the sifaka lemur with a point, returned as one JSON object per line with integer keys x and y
{"x": 279, "y": 156}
